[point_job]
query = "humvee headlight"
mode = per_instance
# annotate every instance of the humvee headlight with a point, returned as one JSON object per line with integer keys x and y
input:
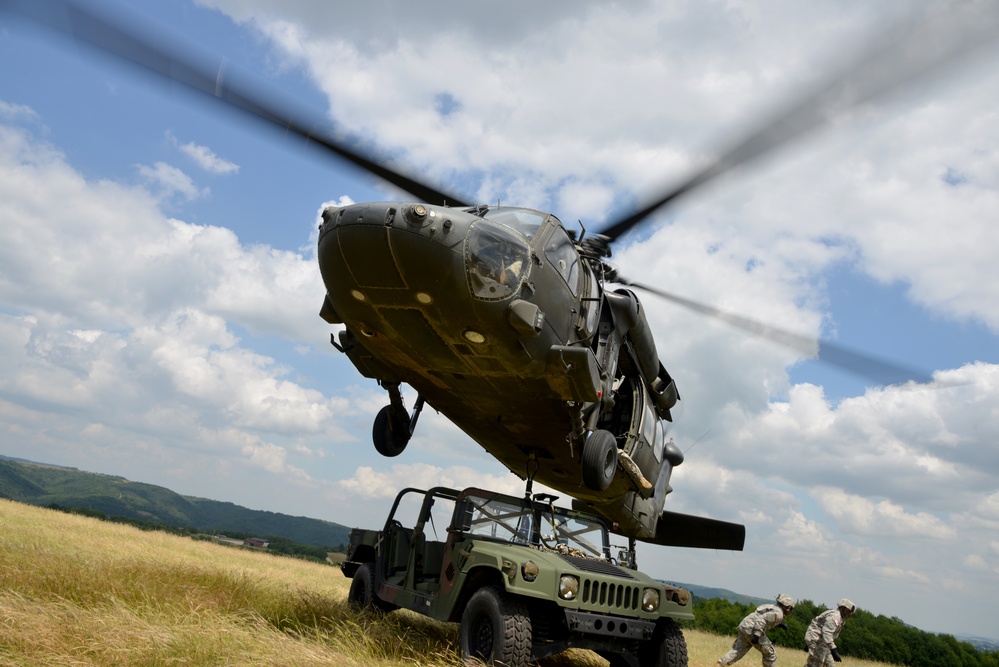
{"x": 677, "y": 594}
{"x": 650, "y": 600}
{"x": 530, "y": 570}
{"x": 568, "y": 587}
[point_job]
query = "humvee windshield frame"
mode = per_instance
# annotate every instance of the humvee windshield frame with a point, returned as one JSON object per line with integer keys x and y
{"x": 535, "y": 522}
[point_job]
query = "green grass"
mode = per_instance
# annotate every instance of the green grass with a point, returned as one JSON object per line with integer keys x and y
{"x": 78, "y": 591}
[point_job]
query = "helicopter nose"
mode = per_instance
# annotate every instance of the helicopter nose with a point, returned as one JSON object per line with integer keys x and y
{"x": 391, "y": 255}
{"x": 363, "y": 245}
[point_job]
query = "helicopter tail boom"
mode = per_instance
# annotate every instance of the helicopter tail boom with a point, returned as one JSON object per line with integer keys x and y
{"x": 698, "y": 532}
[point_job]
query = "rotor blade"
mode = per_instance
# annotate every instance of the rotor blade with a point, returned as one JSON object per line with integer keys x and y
{"x": 132, "y": 44}
{"x": 883, "y": 372}
{"x": 697, "y": 532}
{"x": 927, "y": 45}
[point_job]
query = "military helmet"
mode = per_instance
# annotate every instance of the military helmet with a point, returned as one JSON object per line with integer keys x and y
{"x": 786, "y": 601}
{"x": 846, "y": 604}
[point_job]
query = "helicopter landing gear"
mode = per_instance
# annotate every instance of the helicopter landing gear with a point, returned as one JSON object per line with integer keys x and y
{"x": 599, "y": 460}
{"x": 393, "y": 427}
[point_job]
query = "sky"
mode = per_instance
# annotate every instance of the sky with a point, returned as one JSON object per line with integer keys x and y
{"x": 159, "y": 292}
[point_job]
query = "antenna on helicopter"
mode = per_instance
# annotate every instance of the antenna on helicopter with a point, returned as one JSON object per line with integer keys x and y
{"x": 696, "y": 441}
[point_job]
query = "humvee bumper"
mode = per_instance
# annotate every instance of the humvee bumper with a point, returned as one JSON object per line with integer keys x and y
{"x": 609, "y": 626}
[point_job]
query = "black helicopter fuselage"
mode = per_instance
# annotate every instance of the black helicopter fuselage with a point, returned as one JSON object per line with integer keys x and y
{"x": 492, "y": 315}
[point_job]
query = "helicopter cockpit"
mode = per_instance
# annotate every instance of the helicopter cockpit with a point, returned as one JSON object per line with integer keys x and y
{"x": 497, "y": 250}
{"x": 498, "y": 255}
{"x": 497, "y": 260}
{"x": 525, "y": 220}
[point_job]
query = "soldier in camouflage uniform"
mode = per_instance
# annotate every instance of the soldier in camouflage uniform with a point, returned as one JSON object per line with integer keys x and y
{"x": 753, "y": 631}
{"x": 822, "y": 633}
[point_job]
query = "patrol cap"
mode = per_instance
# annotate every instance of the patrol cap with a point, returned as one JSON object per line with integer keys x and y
{"x": 787, "y": 601}
{"x": 846, "y": 604}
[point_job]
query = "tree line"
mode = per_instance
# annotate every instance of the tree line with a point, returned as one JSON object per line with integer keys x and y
{"x": 865, "y": 636}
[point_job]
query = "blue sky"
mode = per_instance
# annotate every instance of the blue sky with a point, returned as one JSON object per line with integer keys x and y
{"x": 159, "y": 314}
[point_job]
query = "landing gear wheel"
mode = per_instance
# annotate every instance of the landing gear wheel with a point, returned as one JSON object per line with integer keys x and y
{"x": 667, "y": 648}
{"x": 389, "y": 435}
{"x": 495, "y": 629}
{"x": 599, "y": 460}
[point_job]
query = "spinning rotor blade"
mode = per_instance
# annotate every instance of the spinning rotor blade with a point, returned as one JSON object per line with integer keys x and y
{"x": 934, "y": 41}
{"x": 134, "y": 45}
{"x": 881, "y": 371}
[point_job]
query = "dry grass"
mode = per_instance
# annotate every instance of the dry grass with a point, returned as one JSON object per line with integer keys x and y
{"x": 77, "y": 591}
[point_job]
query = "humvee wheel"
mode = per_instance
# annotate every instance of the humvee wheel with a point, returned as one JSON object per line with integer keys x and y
{"x": 362, "y": 588}
{"x": 495, "y": 629}
{"x": 390, "y": 436}
{"x": 667, "y": 648}
{"x": 599, "y": 460}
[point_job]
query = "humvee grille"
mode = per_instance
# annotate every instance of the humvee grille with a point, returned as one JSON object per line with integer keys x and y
{"x": 614, "y": 596}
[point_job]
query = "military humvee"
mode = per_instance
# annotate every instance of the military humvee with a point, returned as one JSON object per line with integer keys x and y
{"x": 524, "y": 578}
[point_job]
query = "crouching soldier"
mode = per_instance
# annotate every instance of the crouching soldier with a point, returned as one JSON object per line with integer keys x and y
{"x": 822, "y": 633}
{"x": 753, "y": 631}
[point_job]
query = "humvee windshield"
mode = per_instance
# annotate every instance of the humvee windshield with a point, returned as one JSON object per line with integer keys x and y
{"x": 536, "y": 524}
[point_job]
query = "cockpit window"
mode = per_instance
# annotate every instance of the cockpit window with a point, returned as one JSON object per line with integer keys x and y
{"x": 497, "y": 260}
{"x": 524, "y": 220}
{"x": 561, "y": 252}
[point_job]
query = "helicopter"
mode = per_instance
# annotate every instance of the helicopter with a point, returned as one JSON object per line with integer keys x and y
{"x": 516, "y": 328}
{"x": 505, "y": 324}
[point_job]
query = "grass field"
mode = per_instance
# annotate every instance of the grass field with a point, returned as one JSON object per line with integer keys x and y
{"x": 78, "y": 591}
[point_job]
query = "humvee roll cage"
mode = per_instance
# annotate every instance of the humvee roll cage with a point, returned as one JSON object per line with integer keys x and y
{"x": 495, "y": 516}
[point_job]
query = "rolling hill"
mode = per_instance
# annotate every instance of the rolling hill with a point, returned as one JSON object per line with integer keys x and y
{"x": 44, "y": 485}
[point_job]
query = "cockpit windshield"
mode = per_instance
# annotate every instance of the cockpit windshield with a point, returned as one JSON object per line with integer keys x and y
{"x": 497, "y": 260}
{"x": 524, "y": 220}
{"x": 537, "y": 524}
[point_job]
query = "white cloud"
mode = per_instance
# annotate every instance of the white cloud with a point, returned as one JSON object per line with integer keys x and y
{"x": 208, "y": 160}
{"x": 123, "y": 267}
{"x": 368, "y": 483}
{"x": 15, "y": 111}
{"x": 169, "y": 181}
{"x": 122, "y": 339}
{"x": 883, "y": 519}
{"x": 804, "y": 535}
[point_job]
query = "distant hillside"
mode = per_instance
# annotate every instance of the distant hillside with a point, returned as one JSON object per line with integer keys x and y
{"x": 708, "y": 593}
{"x": 43, "y": 485}
{"x": 983, "y": 644}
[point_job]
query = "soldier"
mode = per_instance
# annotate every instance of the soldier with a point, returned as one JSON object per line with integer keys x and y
{"x": 753, "y": 631}
{"x": 822, "y": 633}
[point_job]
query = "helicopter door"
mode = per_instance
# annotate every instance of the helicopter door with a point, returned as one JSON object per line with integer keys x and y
{"x": 647, "y": 434}
{"x": 589, "y": 304}
{"x": 562, "y": 253}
